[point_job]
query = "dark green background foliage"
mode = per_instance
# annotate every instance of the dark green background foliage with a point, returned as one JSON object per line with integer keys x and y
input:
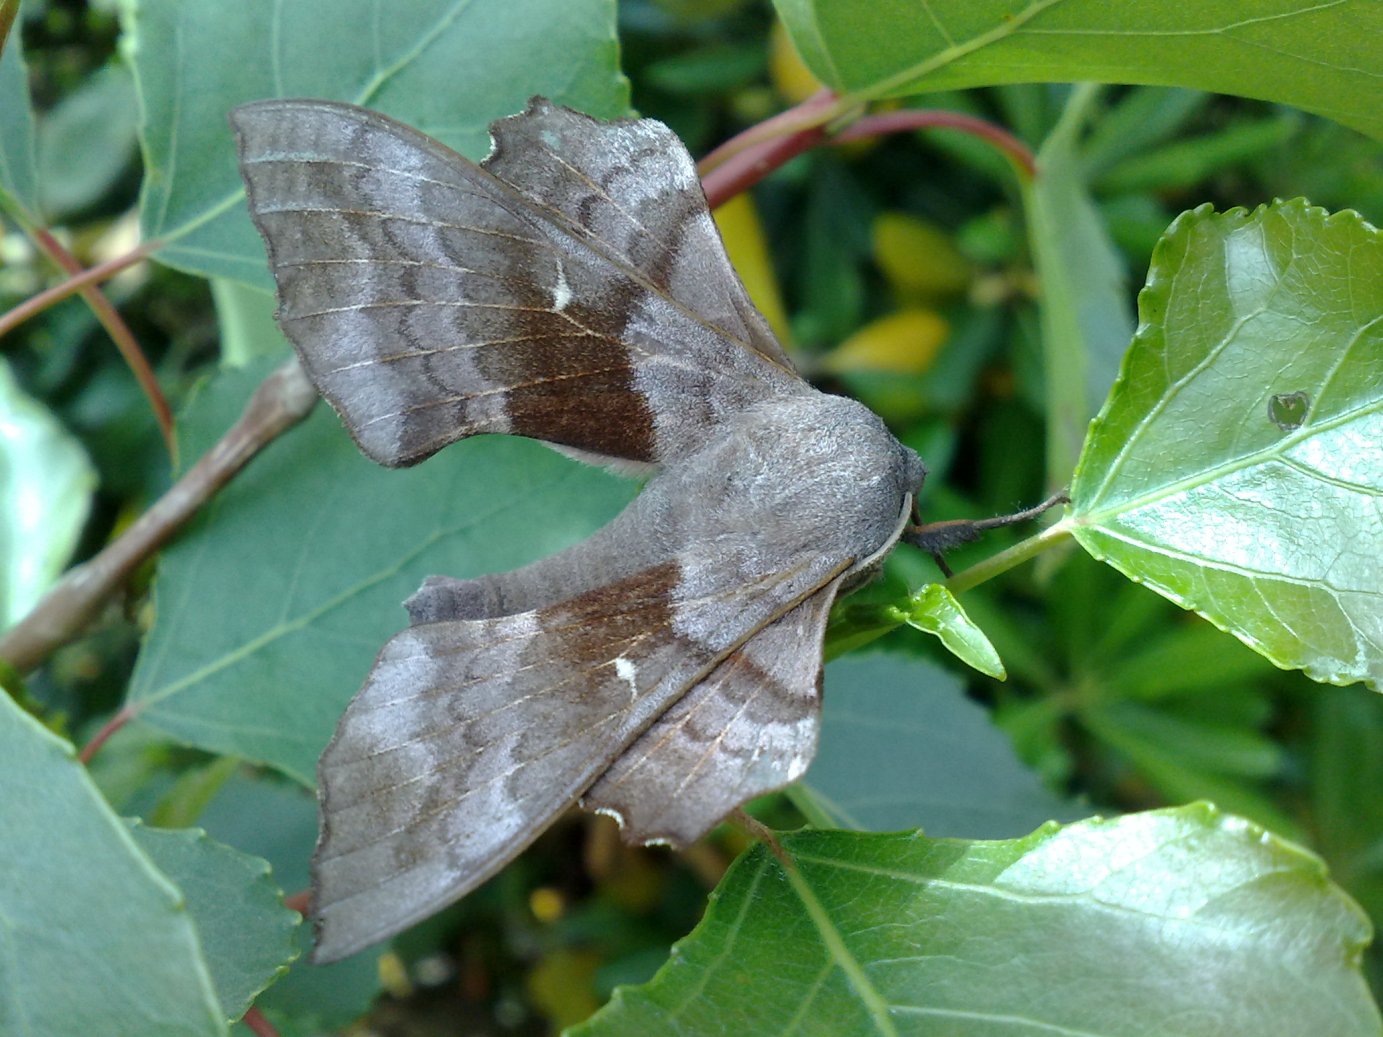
{"x": 1219, "y": 433}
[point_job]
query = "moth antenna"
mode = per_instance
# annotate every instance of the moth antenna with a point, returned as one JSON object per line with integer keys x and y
{"x": 938, "y": 537}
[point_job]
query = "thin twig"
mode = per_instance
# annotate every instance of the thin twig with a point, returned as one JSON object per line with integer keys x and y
{"x": 119, "y": 719}
{"x": 261, "y": 1026}
{"x": 748, "y": 167}
{"x": 8, "y": 10}
{"x": 818, "y": 110}
{"x": 281, "y": 401}
{"x": 1007, "y": 559}
{"x": 120, "y": 334}
{"x": 36, "y": 304}
{"x": 907, "y": 119}
{"x": 744, "y": 160}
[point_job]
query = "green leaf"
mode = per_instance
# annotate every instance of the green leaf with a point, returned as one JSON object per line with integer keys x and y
{"x": 277, "y": 820}
{"x": 1185, "y": 163}
{"x": 181, "y": 806}
{"x": 272, "y": 606}
{"x": 86, "y": 142}
{"x": 1141, "y": 117}
{"x": 1192, "y": 484}
{"x": 932, "y": 609}
{"x": 1193, "y": 741}
{"x": 447, "y": 68}
{"x": 1347, "y": 772}
{"x": 316, "y": 999}
{"x": 1185, "y": 922}
{"x": 1187, "y": 760}
{"x": 18, "y": 166}
{"x": 46, "y": 483}
{"x": 935, "y": 610}
{"x": 95, "y": 940}
{"x": 903, "y": 747}
{"x": 1189, "y": 660}
{"x": 836, "y": 221}
{"x": 245, "y": 931}
{"x": 1318, "y": 56}
{"x": 1085, "y": 319}
{"x": 712, "y": 69}
{"x": 245, "y": 319}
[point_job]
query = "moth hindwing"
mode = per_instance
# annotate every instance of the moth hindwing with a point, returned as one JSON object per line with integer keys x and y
{"x": 572, "y": 288}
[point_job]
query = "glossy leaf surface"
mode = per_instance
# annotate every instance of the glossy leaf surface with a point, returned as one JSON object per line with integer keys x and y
{"x": 1317, "y": 56}
{"x": 1235, "y": 467}
{"x": 1182, "y": 921}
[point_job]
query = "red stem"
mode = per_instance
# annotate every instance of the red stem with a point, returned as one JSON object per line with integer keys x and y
{"x": 261, "y": 1026}
{"x": 745, "y": 159}
{"x": 907, "y": 119}
{"x": 94, "y": 275}
{"x": 115, "y": 326}
{"x": 747, "y": 167}
{"x": 817, "y": 110}
{"x": 298, "y": 902}
{"x": 122, "y": 717}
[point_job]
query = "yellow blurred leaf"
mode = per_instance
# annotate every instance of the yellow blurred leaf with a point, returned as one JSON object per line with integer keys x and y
{"x": 905, "y": 342}
{"x": 393, "y": 975}
{"x": 562, "y": 986}
{"x": 547, "y": 904}
{"x": 739, "y": 225}
{"x": 919, "y": 259}
{"x": 790, "y": 76}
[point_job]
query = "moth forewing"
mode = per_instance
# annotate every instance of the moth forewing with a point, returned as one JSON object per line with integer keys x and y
{"x": 431, "y": 299}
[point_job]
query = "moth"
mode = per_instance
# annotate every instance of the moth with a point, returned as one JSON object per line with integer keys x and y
{"x": 572, "y": 288}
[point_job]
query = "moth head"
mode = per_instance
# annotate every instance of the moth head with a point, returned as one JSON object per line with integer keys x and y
{"x": 872, "y": 478}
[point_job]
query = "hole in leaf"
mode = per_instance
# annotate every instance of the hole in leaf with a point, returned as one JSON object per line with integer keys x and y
{"x": 1287, "y": 410}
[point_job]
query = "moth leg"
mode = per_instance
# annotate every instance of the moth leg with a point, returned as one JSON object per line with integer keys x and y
{"x": 937, "y": 537}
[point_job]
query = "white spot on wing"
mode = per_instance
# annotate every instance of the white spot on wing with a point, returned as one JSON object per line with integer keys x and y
{"x": 627, "y": 672}
{"x": 561, "y": 291}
